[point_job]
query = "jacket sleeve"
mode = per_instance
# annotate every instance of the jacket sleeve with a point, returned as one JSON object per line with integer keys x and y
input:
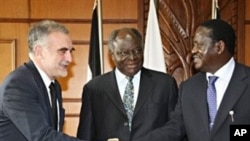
{"x": 86, "y": 127}
{"x": 24, "y": 105}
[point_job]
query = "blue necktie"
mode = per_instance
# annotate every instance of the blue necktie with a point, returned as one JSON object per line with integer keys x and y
{"x": 211, "y": 100}
{"x": 128, "y": 100}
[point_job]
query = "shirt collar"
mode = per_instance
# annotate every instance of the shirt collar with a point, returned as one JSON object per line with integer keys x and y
{"x": 121, "y": 77}
{"x": 44, "y": 76}
{"x": 226, "y": 71}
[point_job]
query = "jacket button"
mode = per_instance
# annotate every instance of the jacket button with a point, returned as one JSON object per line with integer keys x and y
{"x": 125, "y": 124}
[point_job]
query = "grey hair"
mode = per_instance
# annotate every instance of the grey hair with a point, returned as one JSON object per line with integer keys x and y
{"x": 113, "y": 35}
{"x": 39, "y": 32}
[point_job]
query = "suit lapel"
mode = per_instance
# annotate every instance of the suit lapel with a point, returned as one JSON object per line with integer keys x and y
{"x": 42, "y": 88}
{"x": 235, "y": 89}
{"x": 201, "y": 100}
{"x": 113, "y": 92}
{"x": 145, "y": 87}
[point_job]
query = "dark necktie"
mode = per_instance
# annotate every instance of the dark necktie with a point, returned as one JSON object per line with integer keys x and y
{"x": 211, "y": 100}
{"x": 128, "y": 100}
{"x": 53, "y": 104}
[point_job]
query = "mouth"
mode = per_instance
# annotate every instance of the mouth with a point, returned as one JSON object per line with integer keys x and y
{"x": 64, "y": 66}
{"x": 195, "y": 58}
{"x": 132, "y": 65}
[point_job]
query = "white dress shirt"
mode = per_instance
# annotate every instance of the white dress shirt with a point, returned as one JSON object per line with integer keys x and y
{"x": 224, "y": 76}
{"x": 122, "y": 82}
{"x": 47, "y": 83}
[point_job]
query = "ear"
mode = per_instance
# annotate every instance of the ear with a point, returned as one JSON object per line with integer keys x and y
{"x": 38, "y": 51}
{"x": 220, "y": 47}
{"x": 112, "y": 56}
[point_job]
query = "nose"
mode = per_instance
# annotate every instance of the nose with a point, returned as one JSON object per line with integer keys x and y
{"x": 68, "y": 56}
{"x": 132, "y": 55}
{"x": 194, "y": 50}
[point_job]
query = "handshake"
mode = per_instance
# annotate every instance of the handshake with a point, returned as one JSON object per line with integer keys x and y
{"x": 113, "y": 139}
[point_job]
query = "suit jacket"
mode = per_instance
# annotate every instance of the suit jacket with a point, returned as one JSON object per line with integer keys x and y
{"x": 25, "y": 113}
{"x": 103, "y": 115}
{"x": 191, "y": 114}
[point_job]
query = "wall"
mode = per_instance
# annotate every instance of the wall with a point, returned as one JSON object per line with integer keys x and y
{"x": 247, "y": 33}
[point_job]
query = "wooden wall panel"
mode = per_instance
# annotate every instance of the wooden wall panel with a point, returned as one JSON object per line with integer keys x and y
{"x": 17, "y": 31}
{"x": 14, "y": 9}
{"x": 247, "y": 43}
{"x": 7, "y": 57}
{"x": 120, "y": 9}
{"x": 72, "y": 120}
{"x": 61, "y": 9}
{"x": 79, "y": 31}
{"x": 247, "y": 15}
{"x": 70, "y": 125}
{"x": 247, "y": 33}
{"x": 82, "y": 9}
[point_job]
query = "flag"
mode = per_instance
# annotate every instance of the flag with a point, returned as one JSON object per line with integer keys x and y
{"x": 153, "y": 50}
{"x": 215, "y": 10}
{"x": 94, "y": 62}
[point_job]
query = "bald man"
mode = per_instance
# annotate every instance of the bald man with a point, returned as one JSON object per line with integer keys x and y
{"x": 104, "y": 113}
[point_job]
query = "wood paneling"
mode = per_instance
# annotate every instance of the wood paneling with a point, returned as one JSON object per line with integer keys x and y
{"x": 7, "y": 57}
{"x": 61, "y": 9}
{"x": 70, "y": 125}
{"x": 72, "y": 120}
{"x": 14, "y": 9}
{"x": 82, "y": 9}
{"x": 17, "y": 31}
{"x": 247, "y": 42}
{"x": 120, "y": 9}
{"x": 247, "y": 33}
{"x": 247, "y": 16}
{"x": 79, "y": 31}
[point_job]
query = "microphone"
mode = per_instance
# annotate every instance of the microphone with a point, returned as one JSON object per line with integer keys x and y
{"x": 231, "y": 113}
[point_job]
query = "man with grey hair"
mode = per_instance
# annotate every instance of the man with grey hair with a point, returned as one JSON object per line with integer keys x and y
{"x": 129, "y": 101}
{"x": 30, "y": 96}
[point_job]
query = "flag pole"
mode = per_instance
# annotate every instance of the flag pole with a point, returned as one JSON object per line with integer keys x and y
{"x": 99, "y": 13}
{"x": 214, "y": 9}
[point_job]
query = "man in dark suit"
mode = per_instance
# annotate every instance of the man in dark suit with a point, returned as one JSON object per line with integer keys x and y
{"x": 25, "y": 102}
{"x": 103, "y": 114}
{"x": 213, "y": 50}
